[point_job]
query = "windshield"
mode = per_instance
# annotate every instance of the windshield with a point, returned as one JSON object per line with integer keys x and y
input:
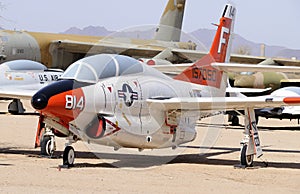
{"x": 93, "y": 68}
{"x": 19, "y": 65}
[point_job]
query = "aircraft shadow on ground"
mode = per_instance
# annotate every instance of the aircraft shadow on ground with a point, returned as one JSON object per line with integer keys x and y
{"x": 25, "y": 113}
{"x": 145, "y": 161}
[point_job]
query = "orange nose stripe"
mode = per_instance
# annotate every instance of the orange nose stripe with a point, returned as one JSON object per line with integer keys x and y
{"x": 67, "y": 105}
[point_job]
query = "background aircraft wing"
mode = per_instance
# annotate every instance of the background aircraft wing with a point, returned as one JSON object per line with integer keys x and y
{"x": 16, "y": 93}
{"x": 193, "y": 55}
{"x": 151, "y": 50}
{"x": 221, "y": 103}
{"x": 107, "y": 47}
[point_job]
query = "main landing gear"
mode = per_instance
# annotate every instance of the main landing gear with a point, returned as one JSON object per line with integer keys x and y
{"x": 246, "y": 160}
{"x": 16, "y": 107}
{"x": 250, "y": 145}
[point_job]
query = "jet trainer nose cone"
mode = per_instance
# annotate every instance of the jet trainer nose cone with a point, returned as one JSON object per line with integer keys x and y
{"x": 39, "y": 101}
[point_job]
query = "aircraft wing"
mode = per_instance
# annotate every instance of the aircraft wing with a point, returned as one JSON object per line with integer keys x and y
{"x": 16, "y": 93}
{"x": 221, "y": 103}
{"x": 129, "y": 48}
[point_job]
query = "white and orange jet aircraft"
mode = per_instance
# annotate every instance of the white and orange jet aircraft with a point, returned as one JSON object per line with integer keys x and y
{"x": 117, "y": 101}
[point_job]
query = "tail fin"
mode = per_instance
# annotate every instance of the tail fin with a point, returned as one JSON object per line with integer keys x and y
{"x": 170, "y": 24}
{"x": 202, "y": 72}
{"x": 220, "y": 49}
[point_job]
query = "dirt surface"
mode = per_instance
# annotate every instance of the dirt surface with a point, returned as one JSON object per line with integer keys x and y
{"x": 22, "y": 170}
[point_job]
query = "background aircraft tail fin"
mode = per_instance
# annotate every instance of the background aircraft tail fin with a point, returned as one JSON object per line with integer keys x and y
{"x": 202, "y": 72}
{"x": 170, "y": 24}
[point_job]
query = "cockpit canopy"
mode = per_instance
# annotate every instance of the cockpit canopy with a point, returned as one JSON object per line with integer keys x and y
{"x": 96, "y": 67}
{"x": 24, "y": 65}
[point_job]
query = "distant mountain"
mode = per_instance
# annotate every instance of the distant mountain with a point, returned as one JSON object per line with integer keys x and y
{"x": 102, "y": 31}
{"x": 239, "y": 45}
{"x": 289, "y": 53}
{"x": 204, "y": 36}
{"x": 89, "y": 30}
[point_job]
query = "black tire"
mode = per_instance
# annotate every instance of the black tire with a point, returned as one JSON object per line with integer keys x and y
{"x": 69, "y": 156}
{"x": 16, "y": 107}
{"x": 45, "y": 146}
{"x": 235, "y": 121}
{"x": 246, "y": 161}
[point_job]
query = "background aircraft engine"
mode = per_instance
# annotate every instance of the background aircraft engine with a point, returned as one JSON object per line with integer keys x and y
{"x": 18, "y": 45}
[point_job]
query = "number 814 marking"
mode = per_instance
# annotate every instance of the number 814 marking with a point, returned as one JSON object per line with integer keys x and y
{"x": 72, "y": 103}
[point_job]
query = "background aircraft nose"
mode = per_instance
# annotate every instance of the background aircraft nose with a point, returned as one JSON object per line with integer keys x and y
{"x": 39, "y": 101}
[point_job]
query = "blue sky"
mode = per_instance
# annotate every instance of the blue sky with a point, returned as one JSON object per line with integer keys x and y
{"x": 263, "y": 21}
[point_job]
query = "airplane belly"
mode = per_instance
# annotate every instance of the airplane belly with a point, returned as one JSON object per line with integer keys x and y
{"x": 162, "y": 137}
{"x": 158, "y": 140}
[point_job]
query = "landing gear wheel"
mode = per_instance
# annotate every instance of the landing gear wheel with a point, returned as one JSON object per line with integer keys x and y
{"x": 16, "y": 107}
{"x": 46, "y": 146}
{"x": 69, "y": 156}
{"x": 235, "y": 120}
{"x": 246, "y": 161}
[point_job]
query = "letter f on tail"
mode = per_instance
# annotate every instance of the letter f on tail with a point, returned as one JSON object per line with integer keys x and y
{"x": 202, "y": 72}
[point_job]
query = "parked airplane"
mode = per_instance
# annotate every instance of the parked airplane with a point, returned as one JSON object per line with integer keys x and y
{"x": 60, "y": 50}
{"x": 24, "y": 77}
{"x": 273, "y": 80}
{"x": 283, "y": 112}
{"x": 118, "y": 101}
{"x": 280, "y": 112}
